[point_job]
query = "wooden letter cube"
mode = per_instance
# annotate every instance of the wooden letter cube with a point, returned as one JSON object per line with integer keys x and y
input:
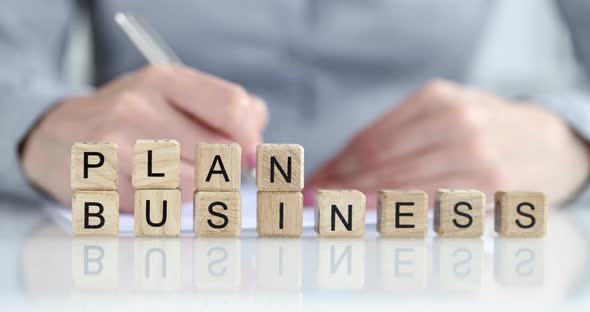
{"x": 218, "y": 167}
{"x": 340, "y": 213}
{"x": 157, "y": 212}
{"x": 279, "y": 167}
{"x": 459, "y": 213}
{"x": 95, "y": 213}
{"x": 402, "y": 213}
{"x": 520, "y": 214}
{"x": 156, "y": 164}
{"x": 217, "y": 214}
{"x": 279, "y": 214}
{"x": 93, "y": 167}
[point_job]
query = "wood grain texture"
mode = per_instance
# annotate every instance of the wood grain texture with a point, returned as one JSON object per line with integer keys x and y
{"x": 165, "y": 164}
{"x": 402, "y": 213}
{"x": 459, "y": 213}
{"x": 167, "y": 224}
{"x": 103, "y": 178}
{"x": 223, "y": 161}
{"x": 328, "y": 202}
{"x": 268, "y": 175}
{"x": 104, "y": 202}
{"x": 520, "y": 214}
{"x": 217, "y": 214}
{"x": 279, "y": 214}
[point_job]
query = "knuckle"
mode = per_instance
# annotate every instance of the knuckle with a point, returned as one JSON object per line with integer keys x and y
{"x": 438, "y": 87}
{"x": 128, "y": 103}
{"x": 495, "y": 178}
{"x": 475, "y": 147}
{"x": 156, "y": 73}
{"x": 236, "y": 100}
{"x": 464, "y": 116}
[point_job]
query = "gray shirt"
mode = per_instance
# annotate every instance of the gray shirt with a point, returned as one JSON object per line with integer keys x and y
{"x": 325, "y": 68}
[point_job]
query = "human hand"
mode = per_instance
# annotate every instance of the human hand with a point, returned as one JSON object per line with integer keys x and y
{"x": 157, "y": 102}
{"x": 448, "y": 136}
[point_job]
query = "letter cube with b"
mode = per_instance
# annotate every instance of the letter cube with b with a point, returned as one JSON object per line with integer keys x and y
{"x": 95, "y": 213}
{"x": 520, "y": 214}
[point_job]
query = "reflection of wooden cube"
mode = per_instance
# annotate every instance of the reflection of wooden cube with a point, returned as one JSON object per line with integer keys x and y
{"x": 279, "y": 167}
{"x": 217, "y": 214}
{"x": 279, "y": 263}
{"x": 459, "y": 213}
{"x": 340, "y": 213}
{"x": 458, "y": 263}
{"x": 520, "y": 214}
{"x": 95, "y": 213}
{"x": 157, "y": 264}
{"x": 403, "y": 264}
{"x": 217, "y": 167}
{"x": 519, "y": 262}
{"x": 279, "y": 214}
{"x": 217, "y": 263}
{"x": 157, "y": 212}
{"x": 94, "y": 167}
{"x": 95, "y": 263}
{"x": 341, "y": 263}
{"x": 156, "y": 164}
{"x": 402, "y": 213}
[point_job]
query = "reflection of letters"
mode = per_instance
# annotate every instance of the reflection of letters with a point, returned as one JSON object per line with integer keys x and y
{"x": 213, "y": 269}
{"x": 95, "y": 260}
{"x": 347, "y": 252}
{"x": 399, "y": 262}
{"x": 525, "y": 267}
{"x": 148, "y": 261}
{"x": 280, "y": 264}
{"x": 462, "y": 268}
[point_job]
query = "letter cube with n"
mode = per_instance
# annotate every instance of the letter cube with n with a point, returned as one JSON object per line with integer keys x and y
{"x": 340, "y": 213}
{"x": 279, "y": 167}
{"x": 217, "y": 167}
{"x": 156, "y": 164}
{"x": 459, "y": 213}
{"x": 402, "y": 213}
{"x": 520, "y": 214}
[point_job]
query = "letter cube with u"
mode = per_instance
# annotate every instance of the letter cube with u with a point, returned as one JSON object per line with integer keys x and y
{"x": 157, "y": 212}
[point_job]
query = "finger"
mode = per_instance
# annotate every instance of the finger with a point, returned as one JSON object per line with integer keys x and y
{"x": 222, "y": 105}
{"x": 187, "y": 171}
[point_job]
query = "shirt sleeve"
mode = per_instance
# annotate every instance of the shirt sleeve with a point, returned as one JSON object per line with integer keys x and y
{"x": 32, "y": 42}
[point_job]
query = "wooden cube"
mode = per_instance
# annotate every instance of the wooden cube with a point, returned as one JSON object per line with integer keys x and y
{"x": 95, "y": 213}
{"x": 459, "y": 213}
{"x": 218, "y": 167}
{"x": 217, "y": 214}
{"x": 520, "y": 214}
{"x": 340, "y": 213}
{"x": 279, "y": 214}
{"x": 279, "y": 167}
{"x": 156, "y": 164}
{"x": 402, "y": 213}
{"x": 157, "y": 212}
{"x": 94, "y": 167}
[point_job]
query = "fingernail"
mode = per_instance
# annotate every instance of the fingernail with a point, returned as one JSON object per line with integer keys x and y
{"x": 308, "y": 196}
{"x": 251, "y": 158}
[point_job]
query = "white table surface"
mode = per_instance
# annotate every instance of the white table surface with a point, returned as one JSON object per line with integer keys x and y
{"x": 43, "y": 268}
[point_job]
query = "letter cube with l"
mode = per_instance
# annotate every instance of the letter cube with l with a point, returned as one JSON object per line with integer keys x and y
{"x": 402, "y": 213}
{"x": 156, "y": 164}
{"x": 93, "y": 167}
{"x": 520, "y": 214}
{"x": 218, "y": 167}
{"x": 95, "y": 213}
{"x": 340, "y": 213}
{"x": 459, "y": 213}
{"x": 279, "y": 167}
{"x": 217, "y": 214}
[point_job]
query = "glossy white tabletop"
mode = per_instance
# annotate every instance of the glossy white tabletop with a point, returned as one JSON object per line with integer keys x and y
{"x": 43, "y": 268}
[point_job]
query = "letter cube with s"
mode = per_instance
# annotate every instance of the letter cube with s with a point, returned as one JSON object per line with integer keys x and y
{"x": 459, "y": 213}
{"x": 520, "y": 214}
{"x": 217, "y": 214}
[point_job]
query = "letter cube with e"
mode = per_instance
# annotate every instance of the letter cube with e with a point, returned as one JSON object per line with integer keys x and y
{"x": 340, "y": 213}
{"x": 93, "y": 167}
{"x": 402, "y": 213}
{"x": 217, "y": 214}
{"x": 95, "y": 213}
{"x": 459, "y": 213}
{"x": 279, "y": 214}
{"x": 157, "y": 212}
{"x": 520, "y": 214}
{"x": 156, "y": 164}
{"x": 279, "y": 167}
{"x": 217, "y": 167}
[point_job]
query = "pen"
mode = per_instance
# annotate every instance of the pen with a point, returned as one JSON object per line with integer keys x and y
{"x": 154, "y": 49}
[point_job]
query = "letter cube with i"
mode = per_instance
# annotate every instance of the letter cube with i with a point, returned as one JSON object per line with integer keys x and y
{"x": 156, "y": 178}
{"x": 520, "y": 214}
{"x": 279, "y": 178}
{"x": 402, "y": 213}
{"x": 340, "y": 213}
{"x": 459, "y": 213}
{"x": 95, "y": 203}
{"x": 217, "y": 202}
